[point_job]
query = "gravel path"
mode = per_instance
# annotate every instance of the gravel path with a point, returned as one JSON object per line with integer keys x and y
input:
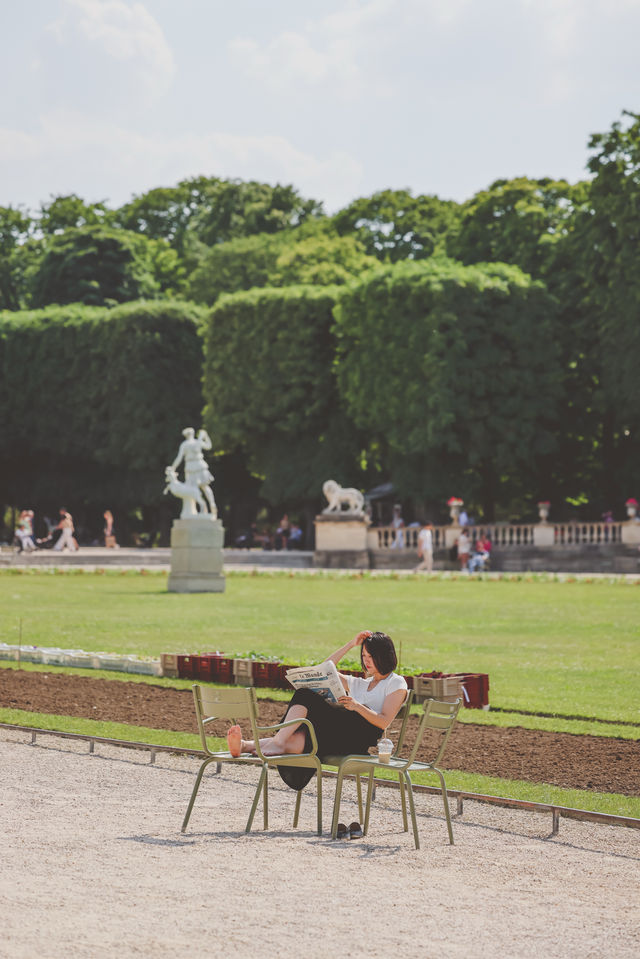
{"x": 94, "y": 865}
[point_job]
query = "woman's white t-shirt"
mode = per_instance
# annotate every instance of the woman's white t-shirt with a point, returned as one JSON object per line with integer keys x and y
{"x": 359, "y": 690}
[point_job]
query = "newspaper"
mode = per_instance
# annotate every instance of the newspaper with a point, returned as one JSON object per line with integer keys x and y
{"x": 322, "y": 679}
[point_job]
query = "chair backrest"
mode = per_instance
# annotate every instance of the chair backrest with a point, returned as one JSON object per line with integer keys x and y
{"x": 439, "y": 716}
{"x": 403, "y": 716}
{"x": 213, "y": 703}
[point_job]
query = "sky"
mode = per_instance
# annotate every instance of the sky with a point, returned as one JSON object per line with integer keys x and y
{"x": 110, "y": 98}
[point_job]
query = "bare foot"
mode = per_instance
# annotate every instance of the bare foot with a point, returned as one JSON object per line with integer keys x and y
{"x": 234, "y": 740}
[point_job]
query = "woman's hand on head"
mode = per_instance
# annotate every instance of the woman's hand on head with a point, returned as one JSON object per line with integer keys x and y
{"x": 360, "y": 638}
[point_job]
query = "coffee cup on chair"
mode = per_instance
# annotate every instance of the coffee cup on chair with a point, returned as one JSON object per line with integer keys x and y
{"x": 385, "y": 748}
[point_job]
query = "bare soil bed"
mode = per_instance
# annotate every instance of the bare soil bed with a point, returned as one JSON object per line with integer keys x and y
{"x": 561, "y": 759}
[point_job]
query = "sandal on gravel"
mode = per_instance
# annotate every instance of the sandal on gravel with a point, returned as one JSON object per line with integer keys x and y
{"x": 355, "y": 830}
{"x": 343, "y": 831}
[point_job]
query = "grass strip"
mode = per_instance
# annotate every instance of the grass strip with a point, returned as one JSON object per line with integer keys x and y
{"x": 611, "y": 803}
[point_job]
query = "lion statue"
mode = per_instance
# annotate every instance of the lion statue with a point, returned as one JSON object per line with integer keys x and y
{"x": 339, "y": 496}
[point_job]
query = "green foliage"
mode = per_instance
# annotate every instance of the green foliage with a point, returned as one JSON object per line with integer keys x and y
{"x": 67, "y": 212}
{"x": 612, "y": 267}
{"x": 235, "y": 208}
{"x": 394, "y": 225}
{"x": 269, "y": 388}
{"x": 93, "y": 400}
{"x": 466, "y": 373}
{"x": 515, "y": 221}
{"x": 292, "y": 257}
{"x": 321, "y": 260}
{"x": 98, "y": 265}
{"x": 234, "y": 266}
{"x": 164, "y": 213}
{"x": 15, "y": 228}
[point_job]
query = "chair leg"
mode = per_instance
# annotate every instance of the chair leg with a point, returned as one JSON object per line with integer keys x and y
{"x": 265, "y": 797}
{"x": 336, "y": 804}
{"x": 412, "y": 809}
{"x": 254, "y": 805}
{"x": 370, "y": 792}
{"x": 194, "y": 793}
{"x": 296, "y": 811}
{"x": 218, "y": 768}
{"x": 359, "y": 789}
{"x": 443, "y": 788}
{"x": 319, "y": 785}
{"x": 403, "y": 802}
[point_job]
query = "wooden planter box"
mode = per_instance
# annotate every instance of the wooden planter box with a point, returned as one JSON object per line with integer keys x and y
{"x": 267, "y": 674}
{"x": 445, "y": 688}
{"x": 169, "y": 665}
{"x": 243, "y": 672}
{"x": 188, "y": 667}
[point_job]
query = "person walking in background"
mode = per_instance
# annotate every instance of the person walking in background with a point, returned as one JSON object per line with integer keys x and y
{"x": 425, "y": 548}
{"x": 65, "y": 525}
{"x": 464, "y": 548}
{"x": 397, "y": 524}
{"x": 109, "y": 532}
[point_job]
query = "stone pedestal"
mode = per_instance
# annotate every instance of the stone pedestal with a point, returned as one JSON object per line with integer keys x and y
{"x": 196, "y": 555}
{"x": 341, "y": 541}
{"x": 630, "y": 532}
{"x": 544, "y": 534}
{"x": 451, "y": 534}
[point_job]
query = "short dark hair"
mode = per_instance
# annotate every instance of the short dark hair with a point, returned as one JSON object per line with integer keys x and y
{"x": 382, "y": 651}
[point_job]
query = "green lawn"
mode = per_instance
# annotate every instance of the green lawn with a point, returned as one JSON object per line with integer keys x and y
{"x": 569, "y": 649}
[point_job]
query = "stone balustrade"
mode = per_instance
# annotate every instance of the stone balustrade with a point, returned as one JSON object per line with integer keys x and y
{"x": 506, "y": 535}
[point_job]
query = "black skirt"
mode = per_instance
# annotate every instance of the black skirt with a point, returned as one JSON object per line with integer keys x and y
{"x": 338, "y": 731}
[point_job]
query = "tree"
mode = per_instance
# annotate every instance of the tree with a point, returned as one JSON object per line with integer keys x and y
{"x": 164, "y": 213}
{"x": 15, "y": 229}
{"x": 288, "y": 258}
{"x": 65, "y": 212}
{"x": 234, "y": 266}
{"x": 321, "y": 260}
{"x": 270, "y": 390}
{"x": 394, "y": 225}
{"x": 515, "y": 221}
{"x": 609, "y": 234}
{"x": 100, "y": 264}
{"x": 236, "y": 208}
{"x": 466, "y": 384}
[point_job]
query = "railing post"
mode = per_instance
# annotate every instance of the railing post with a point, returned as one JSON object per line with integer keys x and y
{"x": 544, "y": 534}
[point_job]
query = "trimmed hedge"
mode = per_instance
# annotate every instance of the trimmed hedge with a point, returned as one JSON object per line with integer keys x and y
{"x": 93, "y": 401}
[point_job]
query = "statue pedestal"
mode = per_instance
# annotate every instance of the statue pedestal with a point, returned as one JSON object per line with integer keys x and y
{"x": 544, "y": 534}
{"x": 196, "y": 555}
{"x": 341, "y": 541}
{"x": 630, "y": 532}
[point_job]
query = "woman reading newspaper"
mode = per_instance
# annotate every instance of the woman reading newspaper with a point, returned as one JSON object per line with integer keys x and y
{"x": 351, "y": 725}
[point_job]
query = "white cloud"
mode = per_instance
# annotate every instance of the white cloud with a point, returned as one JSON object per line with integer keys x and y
{"x": 73, "y": 153}
{"x": 330, "y": 53}
{"x": 126, "y": 32}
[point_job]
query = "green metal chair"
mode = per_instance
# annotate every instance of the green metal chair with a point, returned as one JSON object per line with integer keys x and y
{"x": 402, "y": 717}
{"x": 240, "y": 703}
{"x": 437, "y": 716}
